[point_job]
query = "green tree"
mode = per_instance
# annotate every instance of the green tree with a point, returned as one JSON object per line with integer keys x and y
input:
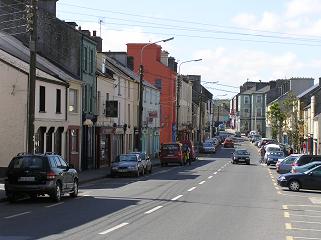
{"x": 276, "y": 116}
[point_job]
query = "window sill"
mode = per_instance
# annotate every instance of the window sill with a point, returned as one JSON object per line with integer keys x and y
{"x": 42, "y": 112}
{"x": 58, "y": 112}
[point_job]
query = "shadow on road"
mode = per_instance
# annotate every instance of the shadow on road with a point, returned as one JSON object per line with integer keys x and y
{"x": 70, "y": 215}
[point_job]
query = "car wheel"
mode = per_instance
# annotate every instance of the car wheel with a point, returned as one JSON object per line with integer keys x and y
{"x": 56, "y": 195}
{"x": 74, "y": 192}
{"x": 137, "y": 173}
{"x": 143, "y": 171}
{"x": 150, "y": 170}
{"x": 247, "y": 163}
{"x": 294, "y": 185}
{"x": 162, "y": 164}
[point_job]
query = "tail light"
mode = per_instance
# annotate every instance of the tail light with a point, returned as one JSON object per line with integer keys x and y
{"x": 51, "y": 175}
{"x": 294, "y": 170}
{"x": 294, "y": 164}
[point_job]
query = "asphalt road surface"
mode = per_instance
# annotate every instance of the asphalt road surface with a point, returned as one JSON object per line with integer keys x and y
{"x": 211, "y": 199}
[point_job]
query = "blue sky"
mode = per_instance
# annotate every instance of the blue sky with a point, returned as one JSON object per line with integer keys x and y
{"x": 197, "y": 25}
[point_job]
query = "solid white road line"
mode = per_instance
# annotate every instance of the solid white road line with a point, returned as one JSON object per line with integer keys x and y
{"x": 306, "y": 222}
{"x": 16, "y": 215}
{"x": 177, "y": 197}
{"x": 210, "y": 177}
{"x": 113, "y": 228}
{"x": 200, "y": 183}
{"x": 191, "y": 189}
{"x": 53, "y": 205}
{"x": 153, "y": 209}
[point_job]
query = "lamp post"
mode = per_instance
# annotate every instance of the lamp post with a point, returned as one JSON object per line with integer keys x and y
{"x": 178, "y": 91}
{"x": 141, "y": 89}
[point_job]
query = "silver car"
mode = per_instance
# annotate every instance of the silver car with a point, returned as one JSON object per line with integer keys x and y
{"x": 285, "y": 166}
{"x": 127, "y": 164}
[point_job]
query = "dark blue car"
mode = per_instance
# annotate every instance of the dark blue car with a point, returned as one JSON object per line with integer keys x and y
{"x": 273, "y": 157}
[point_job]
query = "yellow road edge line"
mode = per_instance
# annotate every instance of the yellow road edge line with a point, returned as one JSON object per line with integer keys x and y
{"x": 286, "y": 214}
{"x": 288, "y": 226}
{"x": 289, "y": 238}
{"x": 285, "y": 207}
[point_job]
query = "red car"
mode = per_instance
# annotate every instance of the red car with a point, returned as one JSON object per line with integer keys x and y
{"x": 171, "y": 153}
{"x": 228, "y": 143}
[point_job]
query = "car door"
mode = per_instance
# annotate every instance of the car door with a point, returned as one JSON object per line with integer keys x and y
{"x": 64, "y": 176}
{"x": 314, "y": 181}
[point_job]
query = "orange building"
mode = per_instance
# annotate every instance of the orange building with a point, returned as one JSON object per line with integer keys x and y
{"x": 159, "y": 70}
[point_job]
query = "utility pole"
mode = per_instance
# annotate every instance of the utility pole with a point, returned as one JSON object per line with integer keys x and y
{"x": 140, "y": 111}
{"x": 178, "y": 98}
{"x": 32, "y": 28}
{"x": 200, "y": 117}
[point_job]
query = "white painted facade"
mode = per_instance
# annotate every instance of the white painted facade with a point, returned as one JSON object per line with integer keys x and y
{"x": 185, "y": 105}
{"x": 13, "y": 95}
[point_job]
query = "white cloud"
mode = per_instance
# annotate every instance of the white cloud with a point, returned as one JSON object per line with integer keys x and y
{"x": 297, "y": 8}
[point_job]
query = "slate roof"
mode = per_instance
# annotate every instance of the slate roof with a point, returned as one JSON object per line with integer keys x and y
{"x": 16, "y": 48}
{"x": 314, "y": 87}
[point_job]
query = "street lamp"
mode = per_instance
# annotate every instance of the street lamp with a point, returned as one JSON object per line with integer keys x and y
{"x": 141, "y": 89}
{"x": 178, "y": 91}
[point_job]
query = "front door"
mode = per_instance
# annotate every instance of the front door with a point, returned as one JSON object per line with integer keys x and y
{"x": 315, "y": 179}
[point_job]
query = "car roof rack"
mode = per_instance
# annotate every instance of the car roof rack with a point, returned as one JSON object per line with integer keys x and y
{"x": 22, "y": 154}
{"x": 50, "y": 153}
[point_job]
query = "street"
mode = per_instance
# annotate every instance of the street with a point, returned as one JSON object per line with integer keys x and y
{"x": 212, "y": 199}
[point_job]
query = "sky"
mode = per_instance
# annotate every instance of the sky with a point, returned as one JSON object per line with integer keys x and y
{"x": 238, "y": 40}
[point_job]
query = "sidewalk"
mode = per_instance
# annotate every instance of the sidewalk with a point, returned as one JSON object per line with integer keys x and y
{"x": 84, "y": 177}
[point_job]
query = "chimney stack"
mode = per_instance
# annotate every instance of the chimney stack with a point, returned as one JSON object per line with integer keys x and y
{"x": 94, "y": 33}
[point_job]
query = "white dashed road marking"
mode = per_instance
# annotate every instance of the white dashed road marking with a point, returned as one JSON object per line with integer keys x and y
{"x": 17, "y": 215}
{"x": 177, "y": 197}
{"x": 210, "y": 177}
{"x": 202, "y": 182}
{"x": 53, "y": 205}
{"x": 191, "y": 189}
{"x": 113, "y": 228}
{"x": 153, "y": 209}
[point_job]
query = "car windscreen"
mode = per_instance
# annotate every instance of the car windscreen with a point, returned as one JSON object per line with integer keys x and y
{"x": 127, "y": 158}
{"x": 208, "y": 144}
{"x": 170, "y": 147}
{"x": 279, "y": 154}
{"x": 272, "y": 149}
{"x": 27, "y": 162}
{"x": 242, "y": 152}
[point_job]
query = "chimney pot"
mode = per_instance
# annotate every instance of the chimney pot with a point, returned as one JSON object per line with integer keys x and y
{"x": 94, "y": 33}
{"x": 79, "y": 28}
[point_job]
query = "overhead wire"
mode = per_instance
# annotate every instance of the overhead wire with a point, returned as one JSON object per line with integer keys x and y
{"x": 184, "y": 21}
{"x": 180, "y": 28}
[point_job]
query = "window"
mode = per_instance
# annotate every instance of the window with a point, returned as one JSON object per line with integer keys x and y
{"x": 91, "y": 61}
{"x": 259, "y": 99}
{"x": 259, "y": 112}
{"x": 151, "y": 97}
{"x": 128, "y": 114}
{"x": 73, "y": 100}
{"x": 246, "y": 100}
{"x": 158, "y": 83}
{"x": 58, "y": 101}
{"x": 42, "y": 99}
{"x": 63, "y": 164}
{"x": 128, "y": 89}
{"x": 98, "y": 102}
{"x": 246, "y": 110}
{"x": 85, "y": 59}
{"x": 53, "y": 162}
{"x": 74, "y": 140}
{"x": 145, "y": 94}
{"x": 119, "y": 94}
{"x": 107, "y": 96}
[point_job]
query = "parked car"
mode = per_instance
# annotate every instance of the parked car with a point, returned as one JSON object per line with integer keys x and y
{"x": 228, "y": 143}
{"x": 40, "y": 174}
{"x": 145, "y": 160}
{"x": 171, "y": 153}
{"x": 238, "y": 134}
{"x": 273, "y": 157}
{"x": 306, "y": 167}
{"x": 192, "y": 148}
{"x": 127, "y": 164}
{"x": 285, "y": 165}
{"x": 241, "y": 155}
{"x": 208, "y": 147}
{"x": 310, "y": 179}
{"x": 305, "y": 159}
{"x": 255, "y": 138}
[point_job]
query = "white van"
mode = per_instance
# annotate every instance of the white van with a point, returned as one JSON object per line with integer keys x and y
{"x": 271, "y": 148}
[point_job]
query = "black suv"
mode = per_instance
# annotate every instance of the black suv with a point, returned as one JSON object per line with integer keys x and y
{"x": 39, "y": 174}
